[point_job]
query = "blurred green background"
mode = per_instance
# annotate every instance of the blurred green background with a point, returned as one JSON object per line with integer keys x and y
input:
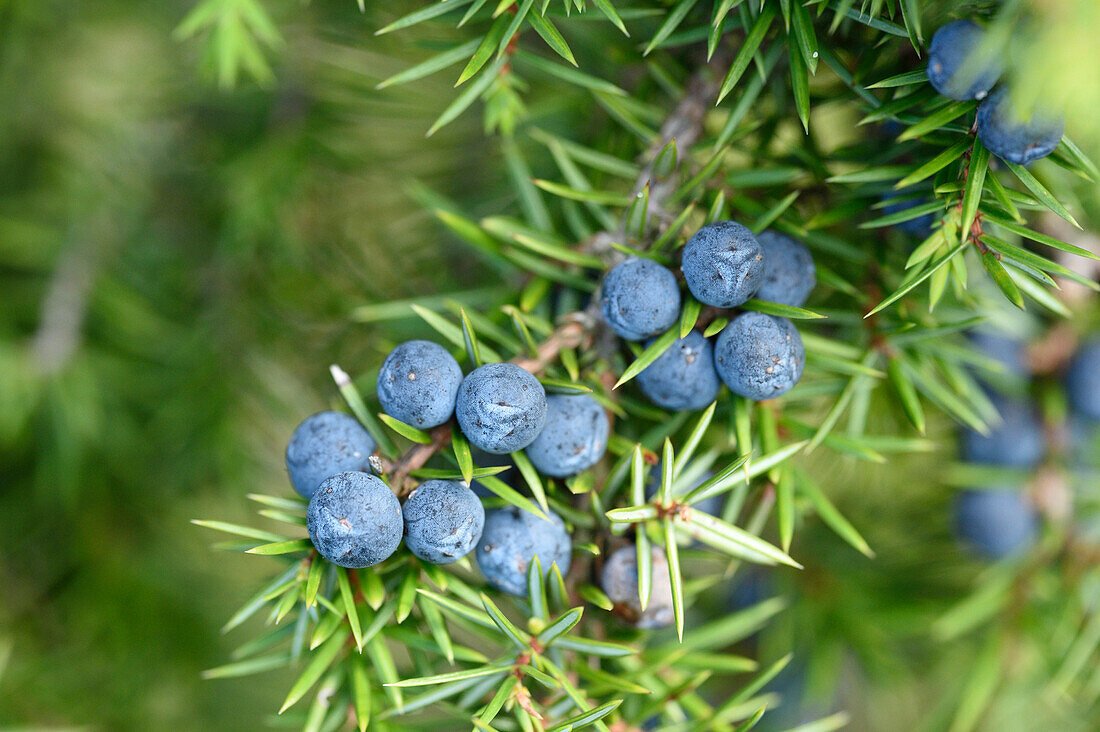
{"x": 177, "y": 269}
{"x": 179, "y": 265}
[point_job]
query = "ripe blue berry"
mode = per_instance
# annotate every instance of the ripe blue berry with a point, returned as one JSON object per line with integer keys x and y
{"x": 639, "y": 299}
{"x": 752, "y": 585}
{"x": 574, "y": 437}
{"x": 619, "y": 579}
{"x": 325, "y": 444}
{"x": 443, "y": 521}
{"x": 1083, "y": 380}
{"x": 997, "y": 522}
{"x": 683, "y": 377}
{"x": 955, "y": 67}
{"x": 1017, "y": 442}
{"x": 418, "y": 384}
{"x": 789, "y": 273}
{"x": 1084, "y": 441}
{"x": 501, "y": 408}
{"x": 921, "y": 225}
{"x": 723, "y": 264}
{"x": 354, "y": 520}
{"x": 759, "y": 356}
{"x": 511, "y": 538}
{"x": 1011, "y": 137}
{"x": 1005, "y": 350}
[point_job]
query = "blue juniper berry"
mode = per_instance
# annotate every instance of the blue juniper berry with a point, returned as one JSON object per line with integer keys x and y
{"x": 324, "y": 444}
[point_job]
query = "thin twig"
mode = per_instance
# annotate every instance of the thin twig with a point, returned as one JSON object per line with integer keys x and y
{"x": 684, "y": 125}
{"x": 65, "y": 307}
{"x": 570, "y": 335}
{"x": 416, "y": 457}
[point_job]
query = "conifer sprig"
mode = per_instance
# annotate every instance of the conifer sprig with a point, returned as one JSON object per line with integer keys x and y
{"x": 705, "y": 112}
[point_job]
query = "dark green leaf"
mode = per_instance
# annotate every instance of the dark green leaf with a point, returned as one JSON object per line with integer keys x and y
{"x": 672, "y": 22}
{"x": 561, "y": 386}
{"x": 832, "y": 517}
{"x": 1001, "y": 278}
{"x": 915, "y": 280}
{"x": 767, "y": 218}
{"x": 531, "y": 477}
{"x": 349, "y": 606}
{"x": 509, "y": 495}
{"x": 780, "y": 310}
{"x": 936, "y": 164}
{"x": 360, "y": 694}
{"x": 675, "y": 578}
{"x": 522, "y": 8}
{"x": 608, "y": 9}
{"x": 433, "y": 10}
{"x": 972, "y": 193}
{"x": 936, "y": 120}
{"x": 906, "y": 79}
{"x": 458, "y": 609}
{"x": 804, "y": 35}
{"x": 245, "y": 531}
{"x": 359, "y": 409}
{"x": 463, "y": 101}
{"x": 906, "y": 214}
{"x": 1045, "y": 197}
{"x": 661, "y": 344}
{"x": 464, "y": 675}
{"x": 574, "y": 194}
{"x": 550, "y": 34}
{"x": 741, "y": 537}
{"x": 282, "y": 547}
{"x": 876, "y": 23}
{"x": 319, "y": 662}
{"x": 673, "y": 229}
{"x": 689, "y": 315}
{"x": 432, "y": 65}
{"x": 561, "y": 626}
{"x": 875, "y": 174}
{"x": 1041, "y": 238}
{"x": 586, "y": 718}
{"x": 407, "y": 431}
{"x": 906, "y": 394}
{"x": 665, "y": 162}
{"x": 748, "y": 49}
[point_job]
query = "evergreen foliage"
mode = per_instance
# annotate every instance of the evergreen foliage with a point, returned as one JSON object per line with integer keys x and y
{"x": 618, "y": 129}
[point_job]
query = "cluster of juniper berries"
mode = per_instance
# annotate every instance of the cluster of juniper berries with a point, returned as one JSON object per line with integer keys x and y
{"x": 355, "y": 520}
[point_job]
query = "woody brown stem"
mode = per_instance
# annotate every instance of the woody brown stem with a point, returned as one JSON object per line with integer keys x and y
{"x": 684, "y": 124}
{"x": 570, "y": 335}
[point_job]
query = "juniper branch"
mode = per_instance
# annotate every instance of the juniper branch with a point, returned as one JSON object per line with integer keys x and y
{"x": 685, "y": 125}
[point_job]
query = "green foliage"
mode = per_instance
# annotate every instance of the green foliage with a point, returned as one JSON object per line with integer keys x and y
{"x": 660, "y": 166}
{"x": 612, "y": 129}
{"x": 238, "y": 32}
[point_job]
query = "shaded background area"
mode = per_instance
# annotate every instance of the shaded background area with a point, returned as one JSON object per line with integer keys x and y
{"x": 178, "y": 267}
